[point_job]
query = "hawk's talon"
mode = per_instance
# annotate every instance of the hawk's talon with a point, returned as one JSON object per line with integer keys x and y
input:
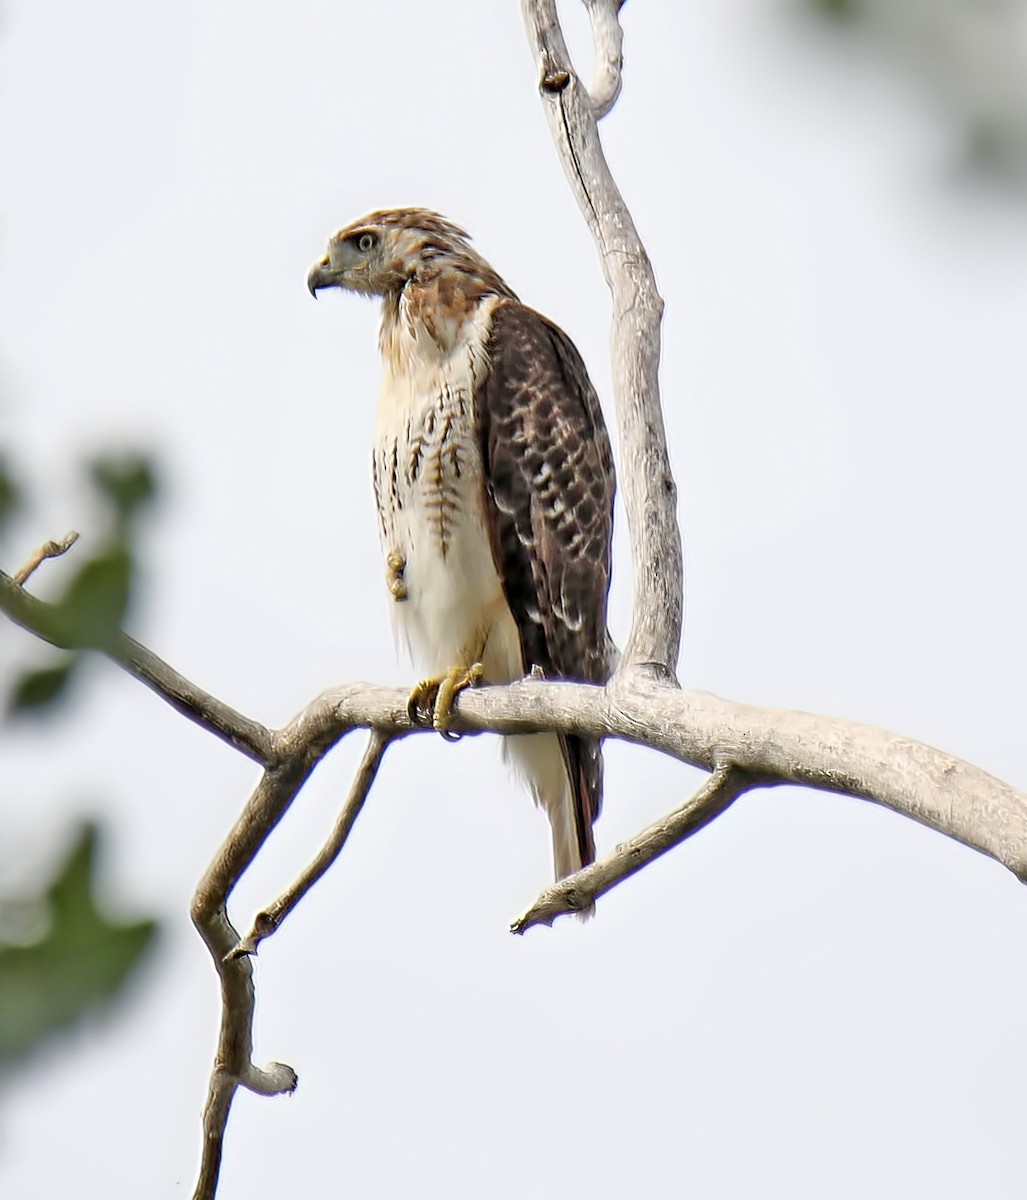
{"x": 438, "y": 695}
{"x": 422, "y": 696}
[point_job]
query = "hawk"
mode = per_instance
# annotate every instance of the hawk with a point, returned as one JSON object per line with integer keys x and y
{"x": 494, "y": 482}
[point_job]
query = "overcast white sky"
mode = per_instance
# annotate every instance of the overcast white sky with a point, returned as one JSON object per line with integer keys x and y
{"x": 813, "y": 997}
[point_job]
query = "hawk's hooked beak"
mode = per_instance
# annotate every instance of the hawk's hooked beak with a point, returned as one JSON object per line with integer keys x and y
{"x": 321, "y": 275}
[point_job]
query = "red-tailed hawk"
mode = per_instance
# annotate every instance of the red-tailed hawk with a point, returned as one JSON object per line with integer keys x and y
{"x": 494, "y": 483}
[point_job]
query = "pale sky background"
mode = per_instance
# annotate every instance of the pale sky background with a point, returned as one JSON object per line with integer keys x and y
{"x": 811, "y": 998}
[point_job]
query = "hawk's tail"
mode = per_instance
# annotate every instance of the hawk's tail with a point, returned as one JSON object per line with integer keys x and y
{"x": 566, "y": 778}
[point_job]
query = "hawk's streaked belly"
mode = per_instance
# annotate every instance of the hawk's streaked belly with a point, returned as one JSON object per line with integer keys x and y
{"x": 429, "y": 489}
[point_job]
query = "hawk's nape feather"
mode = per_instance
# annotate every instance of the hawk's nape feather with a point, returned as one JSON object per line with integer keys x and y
{"x": 549, "y": 481}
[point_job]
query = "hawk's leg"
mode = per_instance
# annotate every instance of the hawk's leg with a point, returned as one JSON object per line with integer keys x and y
{"x": 437, "y": 696}
{"x": 397, "y": 565}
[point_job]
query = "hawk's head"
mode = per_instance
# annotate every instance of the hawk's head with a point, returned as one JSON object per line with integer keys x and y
{"x": 379, "y": 254}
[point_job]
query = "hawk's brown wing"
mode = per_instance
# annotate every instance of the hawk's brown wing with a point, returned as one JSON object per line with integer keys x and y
{"x": 549, "y": 482}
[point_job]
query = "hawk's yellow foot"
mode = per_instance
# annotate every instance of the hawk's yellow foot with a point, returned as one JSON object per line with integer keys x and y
{"x": 397, "y": 566}
{"x": 438, "y": 694}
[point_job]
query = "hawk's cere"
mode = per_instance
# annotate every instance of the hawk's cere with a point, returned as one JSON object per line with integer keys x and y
{"x": 494, "y": 483}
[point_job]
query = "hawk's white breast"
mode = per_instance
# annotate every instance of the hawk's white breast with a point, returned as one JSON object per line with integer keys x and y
{"x": 430, "y": 493}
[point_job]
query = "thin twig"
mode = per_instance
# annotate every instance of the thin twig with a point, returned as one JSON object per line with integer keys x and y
{"x": 580, "y": 891}
{"x": 608, "y": 38}
{"x": 50, "y": 549}
{"x": 269, "y": 920}
{"x": 215, "y": 1117}
{"x": 249, "y": 737}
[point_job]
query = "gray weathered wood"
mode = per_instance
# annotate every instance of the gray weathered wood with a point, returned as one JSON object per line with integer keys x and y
{"x": 645, "y": 478}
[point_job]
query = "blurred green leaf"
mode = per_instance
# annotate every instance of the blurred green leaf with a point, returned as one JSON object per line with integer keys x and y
{"x": 89, "y": 614}
{"x": 81, "y": 964}
{"x": 836, "y": 8}
{"x": 10, "y": 497}
{"x": 41, "y": 687}
{"x": 128, "y": 481}
{"x": 92, "y": 609}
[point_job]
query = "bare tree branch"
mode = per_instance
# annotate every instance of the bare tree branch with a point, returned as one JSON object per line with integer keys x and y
{"x": 38, "y": 617}
{"x": 249, "y": 737}
{"x": 269, "y": 920}
{"x": 233, "y": 1064}
{"x": 578, "y": 892}
{"x": 650, "y": 495}
{"x": 775, "y": 745}
{"x": 913, "y": 779}
{"x": 50, "y": 549}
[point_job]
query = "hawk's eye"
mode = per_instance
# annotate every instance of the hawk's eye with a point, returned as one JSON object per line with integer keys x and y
{"x": 366, "y": 242}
